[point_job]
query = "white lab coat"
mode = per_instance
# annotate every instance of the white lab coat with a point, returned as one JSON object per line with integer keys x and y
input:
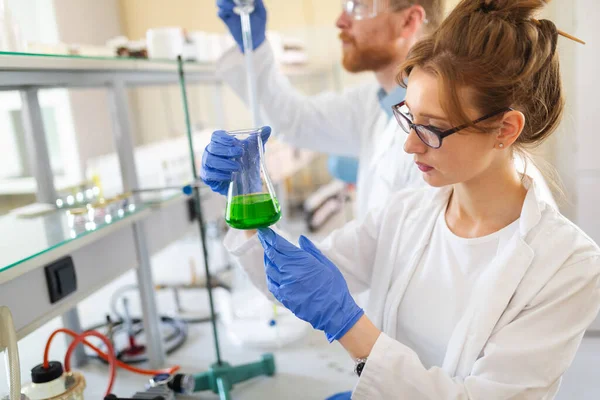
{"x": 351, "y": 123}
{"x": 518, "y": 335}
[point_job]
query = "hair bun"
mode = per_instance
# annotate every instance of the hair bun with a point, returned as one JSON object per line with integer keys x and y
{"x": 515, "y": 10}
{"x": 486, "y": 6}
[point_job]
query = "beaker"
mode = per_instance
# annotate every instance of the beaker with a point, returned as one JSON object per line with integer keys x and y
{"x": 251, "y": 200}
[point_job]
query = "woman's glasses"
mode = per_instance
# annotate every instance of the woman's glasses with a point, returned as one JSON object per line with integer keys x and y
{"x": 430, "y": 135}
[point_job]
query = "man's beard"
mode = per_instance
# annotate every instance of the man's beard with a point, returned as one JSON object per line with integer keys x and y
{"x": 366, "y": 58}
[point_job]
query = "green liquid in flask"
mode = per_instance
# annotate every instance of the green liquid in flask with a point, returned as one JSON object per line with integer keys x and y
{"x": 252, "y": 211}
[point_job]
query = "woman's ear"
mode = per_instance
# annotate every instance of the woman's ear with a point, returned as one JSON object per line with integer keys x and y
{"x": 512, "y": 126}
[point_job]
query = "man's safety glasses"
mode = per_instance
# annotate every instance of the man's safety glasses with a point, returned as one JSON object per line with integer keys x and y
{"x": 364, "y": 9}
{"x": 430, "y": 135}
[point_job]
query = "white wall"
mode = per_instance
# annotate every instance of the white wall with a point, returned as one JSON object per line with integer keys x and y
{"x": 89, "y": 22}
{"x": 560, "y": 151}
{"x": 36, "y": 20}
{"x": 587, "y": 116}
{"x": 575, "y": 147}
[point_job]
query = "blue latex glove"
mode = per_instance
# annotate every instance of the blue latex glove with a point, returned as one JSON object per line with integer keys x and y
{"x": 341, "y": 396}
{"x": 258, "y": 22}
{"x": 225, "y": 155}
{"x": 309, "y": 285}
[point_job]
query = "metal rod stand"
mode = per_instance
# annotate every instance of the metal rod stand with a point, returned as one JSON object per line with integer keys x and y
{"x": 198, "y": 206}
{"x": 222, "y": 376}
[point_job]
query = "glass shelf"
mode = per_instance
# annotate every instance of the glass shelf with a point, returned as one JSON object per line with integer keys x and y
{"x": 22, "y": 61}
{"x": 24, "y": 238}
{"x": 44, "y": 62}
{"x": 158, "y": 198}
{"x": 99, "y": 58}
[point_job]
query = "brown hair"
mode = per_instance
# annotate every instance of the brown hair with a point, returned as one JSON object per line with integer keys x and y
{"x": 434, "y": 10}
{"x": 509, "y": 59}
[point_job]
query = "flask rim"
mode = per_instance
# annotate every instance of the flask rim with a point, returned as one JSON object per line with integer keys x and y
{"x": 242, "y": 132}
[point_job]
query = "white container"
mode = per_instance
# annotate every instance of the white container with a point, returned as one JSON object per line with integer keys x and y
{"x": 200, "y": 43}
{"x": 214, "y": 49}
{"x": 189, "y": 51}
{"x": 54, "y": 384}
{"x": 165, "y": 43}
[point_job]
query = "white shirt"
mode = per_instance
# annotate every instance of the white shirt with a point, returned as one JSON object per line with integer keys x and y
{"x": 440, "y": 290}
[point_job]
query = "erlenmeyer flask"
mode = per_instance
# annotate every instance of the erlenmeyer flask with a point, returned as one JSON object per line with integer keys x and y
{"x": 251, "y": 200}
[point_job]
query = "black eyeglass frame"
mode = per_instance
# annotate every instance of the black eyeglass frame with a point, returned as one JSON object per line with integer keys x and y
{"x": 441, "y": 134}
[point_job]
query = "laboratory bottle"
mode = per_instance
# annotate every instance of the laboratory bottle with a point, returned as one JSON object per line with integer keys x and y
{"x": 251, "y": 200}
{"x": 54, "y": 384}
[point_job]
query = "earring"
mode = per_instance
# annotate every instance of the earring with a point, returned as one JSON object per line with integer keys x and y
{"x": 501, "y": 145}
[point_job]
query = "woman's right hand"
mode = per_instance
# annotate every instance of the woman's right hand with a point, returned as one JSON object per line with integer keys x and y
{"x": 220, "y": 160}
{"x": 223, "y": 156}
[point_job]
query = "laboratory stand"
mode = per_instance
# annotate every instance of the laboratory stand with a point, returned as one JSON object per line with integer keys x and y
{"x": 222, "y": 376}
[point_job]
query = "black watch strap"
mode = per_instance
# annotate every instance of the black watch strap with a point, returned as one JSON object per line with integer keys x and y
{"x": 360, "y": 366}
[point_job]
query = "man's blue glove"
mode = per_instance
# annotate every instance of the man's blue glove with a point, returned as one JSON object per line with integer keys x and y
{"x": 341, "y": 396}
{"x": 225, "y": 155}
{"x": 309, "y": 285}
{"x": 258, "y": 22}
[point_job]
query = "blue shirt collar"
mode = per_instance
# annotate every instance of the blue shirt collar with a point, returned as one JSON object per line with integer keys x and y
{"x": 387, "y": 100}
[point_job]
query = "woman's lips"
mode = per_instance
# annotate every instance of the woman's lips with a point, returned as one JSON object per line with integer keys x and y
{"x": 424, "y": 167}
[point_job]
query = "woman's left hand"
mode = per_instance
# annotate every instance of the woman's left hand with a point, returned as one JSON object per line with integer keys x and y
{"x": 309, "y": 285}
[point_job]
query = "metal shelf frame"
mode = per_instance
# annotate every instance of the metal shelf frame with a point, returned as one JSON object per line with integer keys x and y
{"x": 104, "y": 255}
{"x": 101, "y": 256}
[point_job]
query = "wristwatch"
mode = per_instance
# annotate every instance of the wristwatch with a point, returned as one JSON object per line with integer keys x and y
{"x": 359, "y": 365}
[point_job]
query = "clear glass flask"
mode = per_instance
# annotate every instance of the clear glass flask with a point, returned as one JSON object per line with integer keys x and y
{"x": 251, "y": 200}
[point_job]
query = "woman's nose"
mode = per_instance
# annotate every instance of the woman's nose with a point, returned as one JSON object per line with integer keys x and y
{"x": 413, "y": 144}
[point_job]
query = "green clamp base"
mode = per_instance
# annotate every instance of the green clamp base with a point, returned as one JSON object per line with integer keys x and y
{"x": 221, "y": 378}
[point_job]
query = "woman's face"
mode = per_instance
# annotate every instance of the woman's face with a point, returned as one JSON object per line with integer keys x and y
{"x": 464, "y": 156}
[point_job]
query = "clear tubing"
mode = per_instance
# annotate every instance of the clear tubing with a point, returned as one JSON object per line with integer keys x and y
{"x": 8, "y": 341}
{"x": 249, "y": 57}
